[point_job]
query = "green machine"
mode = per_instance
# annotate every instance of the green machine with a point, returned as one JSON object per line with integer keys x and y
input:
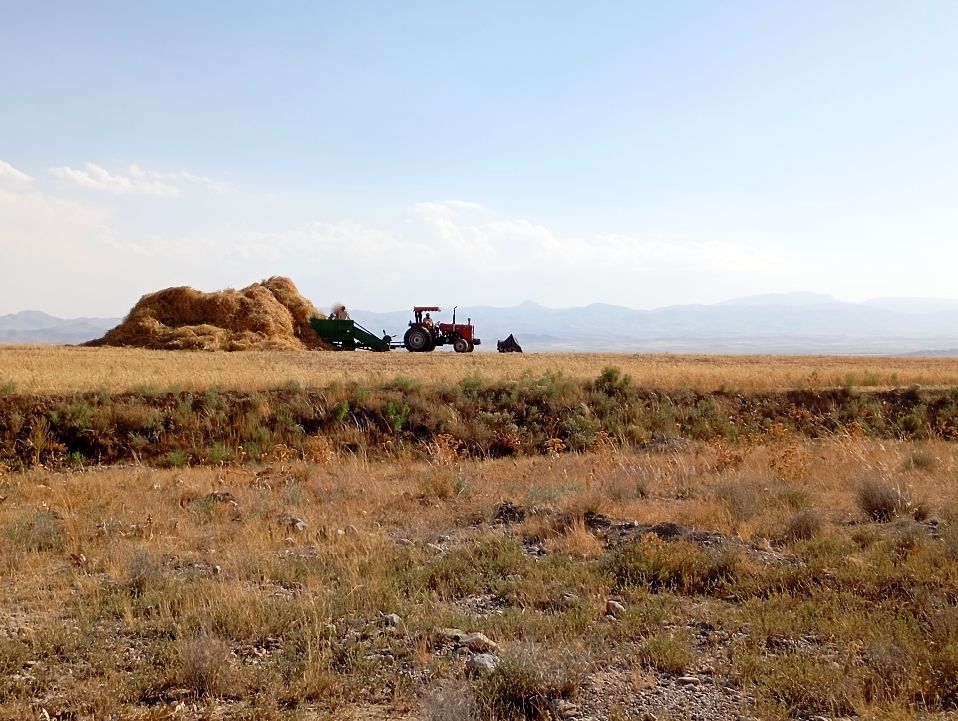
{"x": 349, "y": 335}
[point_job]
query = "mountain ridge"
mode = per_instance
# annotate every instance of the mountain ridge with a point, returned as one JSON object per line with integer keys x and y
{"x": 772, "y": 323}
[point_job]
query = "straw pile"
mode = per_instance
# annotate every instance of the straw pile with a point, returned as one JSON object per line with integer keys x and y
{"x": 271, "y": 315}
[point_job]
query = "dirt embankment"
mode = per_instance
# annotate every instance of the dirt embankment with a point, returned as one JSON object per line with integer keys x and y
{"x": 459, "y": 421}
{"x": 271, "y": 315}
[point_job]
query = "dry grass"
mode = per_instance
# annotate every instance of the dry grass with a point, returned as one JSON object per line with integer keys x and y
{"x": 196, "y": 583}
{"x": 59, "y": 369}
{"x": 259, "y": 587}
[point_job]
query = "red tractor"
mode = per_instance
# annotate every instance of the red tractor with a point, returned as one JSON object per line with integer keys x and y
{"x": 424, "y": 335}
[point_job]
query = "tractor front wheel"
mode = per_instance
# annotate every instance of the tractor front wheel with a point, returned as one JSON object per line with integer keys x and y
{"x": 461, "y": 345}
{"x": 418, "y": 340}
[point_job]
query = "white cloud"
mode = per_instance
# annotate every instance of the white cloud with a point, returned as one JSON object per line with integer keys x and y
{"x": 464, "y": 240}
{"x": 101, "y": 179}
{"x": 60, "y": 251}
{"x": 97, "y": 259}
{"x": 708, "y": 255}
{"x": 446, "y": 208}
{"x": 516, "y": 243}
{"x": 183, "y": 175}
{"x": 8, "y": 171}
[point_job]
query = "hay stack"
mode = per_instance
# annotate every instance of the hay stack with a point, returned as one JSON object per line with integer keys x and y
{"x": 271, "y": 315}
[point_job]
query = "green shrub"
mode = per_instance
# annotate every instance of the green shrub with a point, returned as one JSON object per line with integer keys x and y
{"x": 666, "y": 651}
{"x": 219, "y": 454}
{"x": 76, "y": 416}
{"x": 341, "y": 411}
{"x": 476, "y": 568}
{"x": 405, "y": 384}
{"x": 677, "y": 566}
{"x": 177, "y": 458}
{"x": 613, "y": 383}
{"x": 579, "y": 432}
{"x": 43, "y": 531}
{"x": 397, "y": 414}
{"x": 287, "y": 421}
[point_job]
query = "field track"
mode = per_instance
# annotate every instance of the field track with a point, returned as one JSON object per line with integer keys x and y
{"x": 62, "y": 369}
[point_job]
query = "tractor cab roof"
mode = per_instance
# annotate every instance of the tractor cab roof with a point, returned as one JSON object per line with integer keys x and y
{"x": 426, "y": 309}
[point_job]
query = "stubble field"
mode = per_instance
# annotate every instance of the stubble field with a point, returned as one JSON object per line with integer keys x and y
{"x": 58, "y": 369}
{"x": 322, "y": 536}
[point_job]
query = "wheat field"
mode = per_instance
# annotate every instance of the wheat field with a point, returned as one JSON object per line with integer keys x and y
{"x": 62, "y": 369}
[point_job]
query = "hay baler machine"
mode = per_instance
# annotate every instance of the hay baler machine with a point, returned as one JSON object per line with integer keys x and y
{"x": 423, "y": 335}
{"x": 347, "y": 334}
{"x": 343, "y": 333}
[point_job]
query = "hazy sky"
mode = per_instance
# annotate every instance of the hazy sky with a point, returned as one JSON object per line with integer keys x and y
{"x": 385, "y": 154}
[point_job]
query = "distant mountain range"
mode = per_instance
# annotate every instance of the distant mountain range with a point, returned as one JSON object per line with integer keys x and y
{"x": 777, "y": 323}
{"x": 33, "y": 326}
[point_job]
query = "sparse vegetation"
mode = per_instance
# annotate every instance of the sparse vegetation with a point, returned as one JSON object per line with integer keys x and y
{"x": 547, "y": 415}
{"x": 309, "y": 552}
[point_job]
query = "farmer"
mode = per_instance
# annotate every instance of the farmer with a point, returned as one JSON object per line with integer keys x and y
{"x": 427, "y": 321}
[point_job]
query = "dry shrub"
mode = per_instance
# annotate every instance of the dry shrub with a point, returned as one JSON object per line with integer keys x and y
{"x": 143, "y": 571}
{"x": 907, "y": 537}
{"x": 741, "y": 500}
{"x": 806, "y": 687}
{"x": 578, "y": 540}
{"x": 888, "y": 672}
{"x": 268, "y": 315}
{"x": 949, "y": 540}
{"x": 438, "y": 483}
{"x": 204, "y": 665}
{"x": 451, "y": 701}
{"x": 921, "y": 460}
{"x": 880, "y": 501}
{"x": 625, "y": 482}
{"x": 528, "y": 681}
{"x": 788, "y": 460}
{"x": 939, "y": 677}
{"x": 802, "y": 525}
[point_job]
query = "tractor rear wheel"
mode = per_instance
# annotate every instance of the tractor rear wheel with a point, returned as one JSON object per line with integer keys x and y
{"x": 418, "y": 340}
{"x": 461, "y": 345}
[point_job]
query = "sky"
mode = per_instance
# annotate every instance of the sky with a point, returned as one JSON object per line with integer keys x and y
{"x": 388, "y": 154}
